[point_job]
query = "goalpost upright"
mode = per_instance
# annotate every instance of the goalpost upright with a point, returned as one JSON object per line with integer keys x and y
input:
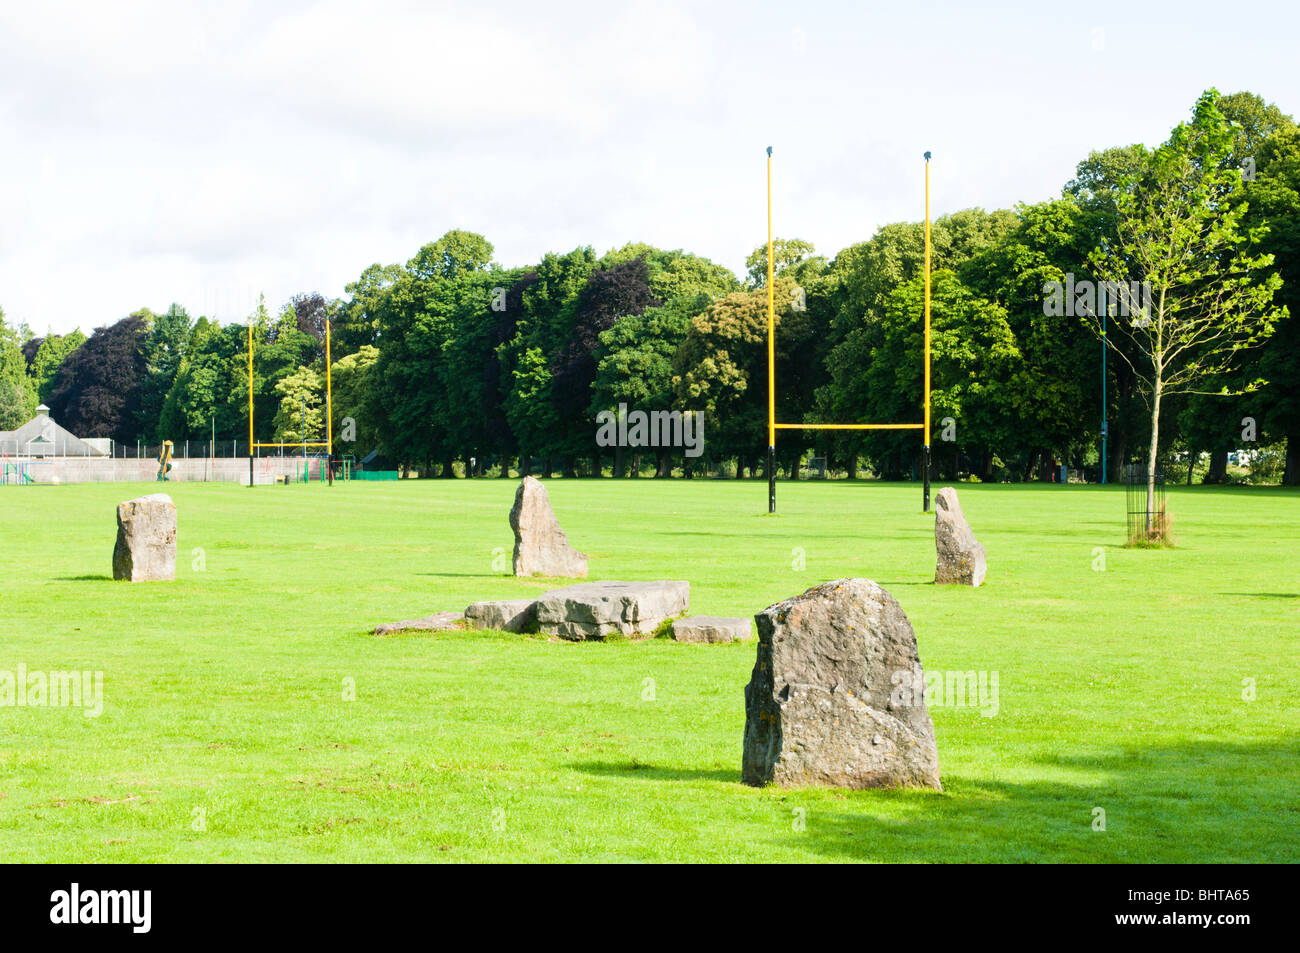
{"x": 773, "y": 426}
{"x": 328, "y": 443}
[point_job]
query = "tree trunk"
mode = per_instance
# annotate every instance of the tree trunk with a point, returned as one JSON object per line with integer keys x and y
{"x": 1218, "y": 472}
{"x": 1191, "y": 463}
{"x": 663, "y": 469}
{"x": 505, "y": 466}
{"x": 568, "y": 468}
{"x": 1151, "y": 455}
{"x": 1291, "y": 475}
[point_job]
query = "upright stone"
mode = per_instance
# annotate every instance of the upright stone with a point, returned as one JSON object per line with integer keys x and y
{"x": 961, "y": 557}
{"x": 146, "y": 539}
{"x": 541, "y": 547}
{"x": 832, "y": 699}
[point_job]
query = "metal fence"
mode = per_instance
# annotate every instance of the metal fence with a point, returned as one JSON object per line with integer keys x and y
{"x": 1147, "y": 518}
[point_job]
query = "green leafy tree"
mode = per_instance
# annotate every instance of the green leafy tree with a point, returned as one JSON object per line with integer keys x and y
{"x": 634, "y": 364}
{"x": 351, "y": 379}
{"x": 96, "y": 392}
{"x": 164, "y": 349}
{"x": 442, "y": 289}
{"x": 721, "y": 367}
{"x": 50, "y": 355}
{"x": 1180, "y": 231}
{"x": 301, "y": 415}
{"x": 17, "y": 396}
{"x": 548, "y": 309}
{"x": 792, "y": 257}
{"x": 209, "y": 393}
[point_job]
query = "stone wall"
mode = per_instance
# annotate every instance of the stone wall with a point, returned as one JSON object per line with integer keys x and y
{"x": 107, "y": 470}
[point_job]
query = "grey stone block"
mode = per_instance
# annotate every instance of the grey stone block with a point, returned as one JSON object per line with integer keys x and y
{"x": 438, "y": 622}
{"x": 597, "y": 610}
{"x": 505, "y": 615}
{"x": 711, "y": 629}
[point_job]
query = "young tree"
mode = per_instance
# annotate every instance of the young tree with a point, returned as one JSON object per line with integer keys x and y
{"x": 1179, "y": 230}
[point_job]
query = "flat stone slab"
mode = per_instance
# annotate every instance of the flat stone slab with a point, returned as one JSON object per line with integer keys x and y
{"x": 145, "y": 550}
{"x": 438, "y": 622}
{"x": 504, "y": 615}
{"x": 711, "y": 629}
{"x": 598, "y": 610}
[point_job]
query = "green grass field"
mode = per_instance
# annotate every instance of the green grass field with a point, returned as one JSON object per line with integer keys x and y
{"x": 225, "y": 735}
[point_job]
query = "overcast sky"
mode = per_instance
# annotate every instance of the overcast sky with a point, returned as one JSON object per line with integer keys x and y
{"x": 205, "y": 152}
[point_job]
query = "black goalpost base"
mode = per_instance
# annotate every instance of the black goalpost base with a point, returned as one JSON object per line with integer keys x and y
{"x": 925, "y": 478}
{"x": 771, "y": 479}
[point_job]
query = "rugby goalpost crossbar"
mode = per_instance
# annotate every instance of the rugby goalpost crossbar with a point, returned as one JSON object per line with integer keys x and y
{"x": 328, "y": 443}
{"x": 773, "y": 426}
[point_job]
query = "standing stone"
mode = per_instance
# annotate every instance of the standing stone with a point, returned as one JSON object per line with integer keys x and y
{"x": 146, "y": 539}
{"x": 832, "y": 697}
{"x": 541, "y": 548}
{"x": 961, "y": 557}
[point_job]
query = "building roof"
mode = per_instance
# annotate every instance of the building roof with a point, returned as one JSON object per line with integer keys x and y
{"x": 42, "y": 437}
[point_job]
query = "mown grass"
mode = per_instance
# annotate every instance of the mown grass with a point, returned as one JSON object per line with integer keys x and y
{"x": 225, "y": 735}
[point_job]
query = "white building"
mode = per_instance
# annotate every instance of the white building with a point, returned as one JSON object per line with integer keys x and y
{"x": 42, "y": 437}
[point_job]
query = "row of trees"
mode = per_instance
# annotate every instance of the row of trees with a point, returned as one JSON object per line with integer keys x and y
{"x": 453, "y": 357}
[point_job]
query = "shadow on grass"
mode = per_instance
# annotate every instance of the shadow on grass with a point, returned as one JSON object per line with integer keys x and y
{"x": 1209, "y": 802}
{"x": 88, "y": 577}
{"x": 1198, "y": 802}
{"x": 643, "y": 771}
{"x": 465, "y": 575}
{"x": 1264, "y": 595}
